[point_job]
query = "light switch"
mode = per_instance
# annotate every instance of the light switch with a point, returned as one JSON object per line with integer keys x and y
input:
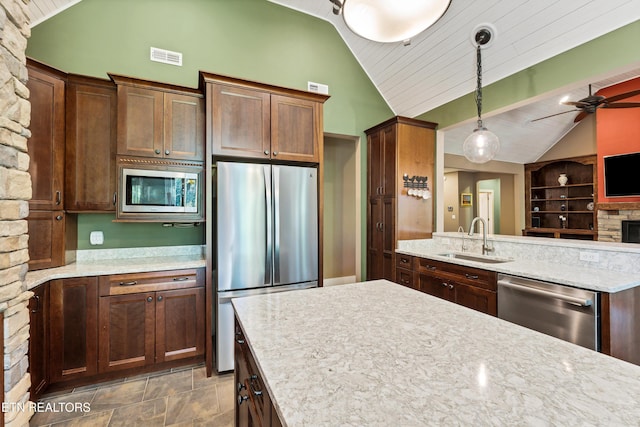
{"x": 96, "y": 238}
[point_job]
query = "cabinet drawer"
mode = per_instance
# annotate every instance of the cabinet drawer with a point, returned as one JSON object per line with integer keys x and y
{"x": 406, "y": 278}
{"x": 472, "y": 276}
{"x": 404, "y": 261}
{"x": 120, "y": 284}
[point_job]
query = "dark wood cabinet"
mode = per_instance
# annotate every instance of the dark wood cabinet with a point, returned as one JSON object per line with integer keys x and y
{"x": 398, "y": 149}
{"x": 38, "y": 341}
{"x": 150, "y": 318}
{"x": 51, "y": 234}
{"x": 91, "y": 119}
{"x": 470, "y": 287}
{"x": 254, "y": 406}
{"x": 564, "y": 210}
{"x": 254, "y": 120}
{"x": 46, "y": 144}
{"x": 157, "y": 120}
{"x": 73, "y": 320}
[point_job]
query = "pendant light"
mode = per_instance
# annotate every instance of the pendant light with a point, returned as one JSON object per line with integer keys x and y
{"x": 386, "y": 21}
{"x": 482, "y": 145}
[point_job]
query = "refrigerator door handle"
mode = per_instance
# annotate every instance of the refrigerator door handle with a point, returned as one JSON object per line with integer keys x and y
{"x": 269, "y": 225}
{"x": 276, "y": 224}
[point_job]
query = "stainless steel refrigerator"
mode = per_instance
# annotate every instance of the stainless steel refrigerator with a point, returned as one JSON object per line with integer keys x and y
{"x": 266, "y": 238}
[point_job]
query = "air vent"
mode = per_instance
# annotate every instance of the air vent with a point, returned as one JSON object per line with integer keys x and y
{"x": 166, "y": 56}
{"x": 318, "y": 88}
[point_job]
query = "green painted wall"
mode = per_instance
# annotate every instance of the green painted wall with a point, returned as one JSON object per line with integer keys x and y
{"x": 251, "y": 39}
{"x": 609, "y": 52}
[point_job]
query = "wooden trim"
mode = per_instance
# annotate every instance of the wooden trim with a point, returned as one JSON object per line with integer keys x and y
{"x": 618, "y": 206}
{"x": 206, "y": 77}
{"x": 402, "y": 120}
{"x": 153, "y": 85}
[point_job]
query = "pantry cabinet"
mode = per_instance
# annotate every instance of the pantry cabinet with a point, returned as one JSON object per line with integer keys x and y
{"x": 255, "y": 120}
{"x": 91, "y": 119}
{"x": 158, "y": 120}
{"x": 398, "y": 149}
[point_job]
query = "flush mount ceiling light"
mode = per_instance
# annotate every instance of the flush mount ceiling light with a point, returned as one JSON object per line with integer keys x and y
{"x": 387, "y": 21}
{"x": 482, "y": 145}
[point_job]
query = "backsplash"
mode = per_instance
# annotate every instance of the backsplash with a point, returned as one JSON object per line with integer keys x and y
{"x": 620, "y": 257}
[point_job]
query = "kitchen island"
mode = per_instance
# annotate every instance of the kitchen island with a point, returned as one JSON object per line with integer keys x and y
{"x": 380, "y": 354}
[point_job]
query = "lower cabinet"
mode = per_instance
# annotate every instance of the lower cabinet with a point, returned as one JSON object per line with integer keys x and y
{"x": 471, "y": 287}
{"x": 253, "y": 403}
{"x": 151, "y": 318}
{"x": 89, "y": 329}
{"x": 38, "y": 341}
{"x": 73, "y": 327}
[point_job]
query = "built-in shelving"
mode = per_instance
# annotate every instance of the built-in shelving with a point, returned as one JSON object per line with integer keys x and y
{"x": 561, "y": 211}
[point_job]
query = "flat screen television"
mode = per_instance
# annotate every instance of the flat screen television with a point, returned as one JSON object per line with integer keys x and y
{"x": 621, "y": 175}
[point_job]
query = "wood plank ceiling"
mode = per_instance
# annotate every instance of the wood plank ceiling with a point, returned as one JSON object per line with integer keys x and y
{"x": 439, "y": 64}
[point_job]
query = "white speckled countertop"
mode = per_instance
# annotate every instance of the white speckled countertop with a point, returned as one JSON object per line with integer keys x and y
{"x": 118, "y": 261}
{"x": 552, "y": 260}
{"x": 379, "y": 354}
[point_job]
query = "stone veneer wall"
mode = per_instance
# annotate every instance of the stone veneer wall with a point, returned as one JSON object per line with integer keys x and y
{"x": 610, "y": 223}
{"x": 15, "y": 191}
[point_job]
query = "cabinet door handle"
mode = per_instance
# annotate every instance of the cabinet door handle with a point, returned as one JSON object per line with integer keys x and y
{"x": 242, "y": 399}
{"x": 404, "y": 260}
{"x": 37, "y": 309}
{"x": 450, "y": 286}
{"x": 471, "y": 276}
{"x": 275, "y": 153}
{"x": 266, "y": 152}
{"x": 131, "y": 283}
{"x": 149, "y": 299}
{"x": 240, "y": 387}
{"x": 58, "y": 197}
{"x": 429, "y": 267}
{"x": 157, "y": 151}
{"x": 180, "y": 279}
{"x": 160, "y": 298}
{"x": 166, "y": 152}
{"x": 58, "y": 217}
{"x": 252, "y": 379}
{"x": 444, "y": 284}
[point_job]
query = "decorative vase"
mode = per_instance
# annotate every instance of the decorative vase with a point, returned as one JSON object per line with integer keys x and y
{"x": 563, "y": 179}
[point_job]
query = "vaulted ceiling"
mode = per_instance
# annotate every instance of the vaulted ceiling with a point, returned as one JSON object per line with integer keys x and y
{"x": 439, "y": 64}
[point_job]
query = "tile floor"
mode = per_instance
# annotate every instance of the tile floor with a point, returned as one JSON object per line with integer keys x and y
{"x": 179, "y": 397}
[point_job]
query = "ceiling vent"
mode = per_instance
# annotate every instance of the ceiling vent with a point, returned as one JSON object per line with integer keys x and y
{"x": 166, "y": 56}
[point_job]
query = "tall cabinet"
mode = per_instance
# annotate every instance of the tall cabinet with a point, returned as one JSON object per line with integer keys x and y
{"x": 399, "y": 149}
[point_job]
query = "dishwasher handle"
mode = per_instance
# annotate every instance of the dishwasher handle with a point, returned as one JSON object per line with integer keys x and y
{"x": 572, "y": 300}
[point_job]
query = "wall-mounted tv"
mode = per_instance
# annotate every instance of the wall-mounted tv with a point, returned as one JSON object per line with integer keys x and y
{"x": 621, "y": 175}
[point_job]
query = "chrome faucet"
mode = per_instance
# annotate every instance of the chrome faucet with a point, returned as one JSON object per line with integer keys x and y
{"x": 486, "y": 248}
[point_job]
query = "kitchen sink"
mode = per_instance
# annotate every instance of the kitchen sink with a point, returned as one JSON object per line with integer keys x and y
{"x": 475, "y": 258}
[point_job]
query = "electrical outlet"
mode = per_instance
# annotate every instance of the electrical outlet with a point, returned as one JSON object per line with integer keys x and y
{"x": 589, "y": 256}
{"x": 96, "y": 238}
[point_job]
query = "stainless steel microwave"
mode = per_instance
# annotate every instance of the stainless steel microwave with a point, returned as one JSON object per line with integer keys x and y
{"x": 151, "y": 191}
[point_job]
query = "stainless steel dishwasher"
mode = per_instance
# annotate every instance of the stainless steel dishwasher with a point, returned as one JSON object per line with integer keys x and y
{"x": 563, "y": 312}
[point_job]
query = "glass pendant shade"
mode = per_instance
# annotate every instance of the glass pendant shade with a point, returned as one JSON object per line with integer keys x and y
{"x": 387, "y": 21}
{"x": 481, "y": 146}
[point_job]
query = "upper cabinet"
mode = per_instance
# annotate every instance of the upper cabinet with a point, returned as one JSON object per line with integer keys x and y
{"x": 90, "y": 182}
{"x": 46, "y": 144}
{"x": 157, "y": 120}
{"x": 255, "y": 120}
{"x": 560, "y": 198}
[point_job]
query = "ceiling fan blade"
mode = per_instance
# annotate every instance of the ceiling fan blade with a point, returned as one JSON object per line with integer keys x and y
{"x": 580, "y": 116}
{"x": 552, "y": 115}
{"x": 622, "y": 96}
{"x": 622, "y": 105}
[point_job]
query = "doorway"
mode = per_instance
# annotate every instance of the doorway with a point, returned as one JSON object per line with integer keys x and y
{"x": 485, "y": 208}
{"x": 341, "y": 210}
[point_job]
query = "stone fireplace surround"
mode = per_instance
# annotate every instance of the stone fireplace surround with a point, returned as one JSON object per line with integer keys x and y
{"x": 610, "y": 223}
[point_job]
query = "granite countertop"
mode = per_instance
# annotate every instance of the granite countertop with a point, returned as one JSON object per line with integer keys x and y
{"x": 380, "y": 354}
{"x": 560, "y": 271}
{"x": 134, "y": 260}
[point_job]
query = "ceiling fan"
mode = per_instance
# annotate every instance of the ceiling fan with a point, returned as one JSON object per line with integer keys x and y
{"x": 592, "y": 102}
